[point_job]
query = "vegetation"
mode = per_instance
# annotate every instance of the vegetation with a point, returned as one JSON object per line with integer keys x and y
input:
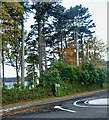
{"x": 60, "y": 47}
{"x": 72, "y": 79}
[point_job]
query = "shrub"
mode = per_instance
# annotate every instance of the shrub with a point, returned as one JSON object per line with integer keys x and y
{"x": 101, "y": 77}
{"x": 72, "y": 79}
{"x": 15, "y": 95}
{"x": 88, "y": 73}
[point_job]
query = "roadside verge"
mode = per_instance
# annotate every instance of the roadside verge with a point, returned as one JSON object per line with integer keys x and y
{"x": 41, "y": 105}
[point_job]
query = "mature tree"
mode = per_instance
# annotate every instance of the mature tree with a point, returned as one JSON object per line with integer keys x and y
{"x": 80, "y": 24}
{"x": 31, "y": 67}
{"x": 59, "y": 24}
{"x": 10, "y": 30}
{"x": 95, "y": 50}
{"x": 32, "y": 57}
{"x": 15, "y": 47}
{"x": 13, "y": 32}
{"x": 42, "y": 11}
{"x": 25, "y": 10}
{"x": 73, "y": 24}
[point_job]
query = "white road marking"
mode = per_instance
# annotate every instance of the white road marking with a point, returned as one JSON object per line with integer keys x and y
{"x": 75, "y": 103}
{"x": 86, "y": 102}
{"x": 59, "y": 107}
{"x": 103, "y": 101}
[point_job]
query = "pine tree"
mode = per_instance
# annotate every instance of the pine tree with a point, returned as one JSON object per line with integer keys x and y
{"x": 25, "y": 10}
{"x": 42, "y": 13}
{"x": 80, "y": 24}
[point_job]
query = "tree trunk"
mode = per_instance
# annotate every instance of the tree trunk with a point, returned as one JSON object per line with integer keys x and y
{"x": 17, "y": 75}
{"x": 76, "y": 44}
{"x": 61, "y": 48}
{"x": 82, "y": 44}
{"x": 44, "y": 42}
{"x": 52, "y": 48}
{"x": 87, "y": 54}
{"x": 45, "y": 59}
{"x": 39, "y": 42}
{"x": 22, "y": 54}
{"x": 3, "y": 78}
{"x": 33, "y": 73}
{"x": 61, "y": 42}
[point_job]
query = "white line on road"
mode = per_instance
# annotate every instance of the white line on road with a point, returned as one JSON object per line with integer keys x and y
{"x": 76, "y": 104}
{"x": 59, "y": 107}
{"x": 103, "y": 101}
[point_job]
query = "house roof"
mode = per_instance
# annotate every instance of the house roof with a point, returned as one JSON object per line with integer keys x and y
{"x": 12, "y": 79}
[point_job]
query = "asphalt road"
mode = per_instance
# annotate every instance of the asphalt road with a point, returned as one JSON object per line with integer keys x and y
{"x": 75, "y": 108}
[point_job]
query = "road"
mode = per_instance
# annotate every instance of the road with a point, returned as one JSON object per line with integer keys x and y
{"x": 75, "y": 108}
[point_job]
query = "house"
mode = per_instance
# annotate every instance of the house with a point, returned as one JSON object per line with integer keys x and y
{"x": 9, "y": 82}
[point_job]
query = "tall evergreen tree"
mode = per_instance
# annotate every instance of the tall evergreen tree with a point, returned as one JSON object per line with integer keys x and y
{"x": 79, "y": 19}
{"x": 32, "y": 57}
{"x": 59, "y": 24}
{"x": 42, "y": 11}
{"x": 25, "y": 10}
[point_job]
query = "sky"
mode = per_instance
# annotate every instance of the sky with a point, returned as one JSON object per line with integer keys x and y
{"x": 98, "y": 10}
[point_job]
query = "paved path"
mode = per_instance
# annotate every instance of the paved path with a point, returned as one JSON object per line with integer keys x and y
{"x": 75, "y": 108}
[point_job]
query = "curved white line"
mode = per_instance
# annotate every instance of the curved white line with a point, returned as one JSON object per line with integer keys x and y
{"x": 59, "y": 107}
{"x": 75, "y": 103}
{"x": 86, "y": 102}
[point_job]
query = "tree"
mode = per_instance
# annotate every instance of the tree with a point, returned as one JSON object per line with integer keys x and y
{"x": 95, "y": 50}
{"x": 59, "y": 24}
{"x": 31, "y": 67}
{"x": 32, "y": 57}
{"x": 25, "y": 10}
{"x": 10, "y": 30}
{"x": 68, "y": 53}
{"x": 42, "y": 11}
{"x": 80, "y": 24}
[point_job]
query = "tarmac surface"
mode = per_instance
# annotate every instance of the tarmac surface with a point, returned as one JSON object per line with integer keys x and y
{"x": 76, "y": 108}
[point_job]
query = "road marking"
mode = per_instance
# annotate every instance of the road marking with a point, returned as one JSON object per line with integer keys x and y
{"x": 75, "y": 103}
{"x": 86, "y": 102}
{"x": 59, "y": 107}
{"x": 103, "y": 101}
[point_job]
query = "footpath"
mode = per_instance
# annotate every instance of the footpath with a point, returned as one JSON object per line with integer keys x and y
{"x": 40, "y": 105}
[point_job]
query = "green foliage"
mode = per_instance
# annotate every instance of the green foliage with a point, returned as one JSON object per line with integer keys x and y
{"x": 72, "y": 79}
{"x": 102, "y": 76}
{"x": 16, "y": 95}
{"x": 17, "y": 85}
{"x": 88, "y": 73}
{"x": 49, "y": 79}
{"x": 58, "y": 64}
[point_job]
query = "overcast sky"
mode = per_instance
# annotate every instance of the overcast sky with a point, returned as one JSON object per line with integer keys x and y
{"x": 98, "y": 10}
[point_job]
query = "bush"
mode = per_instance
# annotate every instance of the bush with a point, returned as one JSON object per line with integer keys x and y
{"x": 16, "y": 95}
{"x": 72, "y": 79}
{"x": 102, "y": 77}
{"x": 89, "y": 74}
